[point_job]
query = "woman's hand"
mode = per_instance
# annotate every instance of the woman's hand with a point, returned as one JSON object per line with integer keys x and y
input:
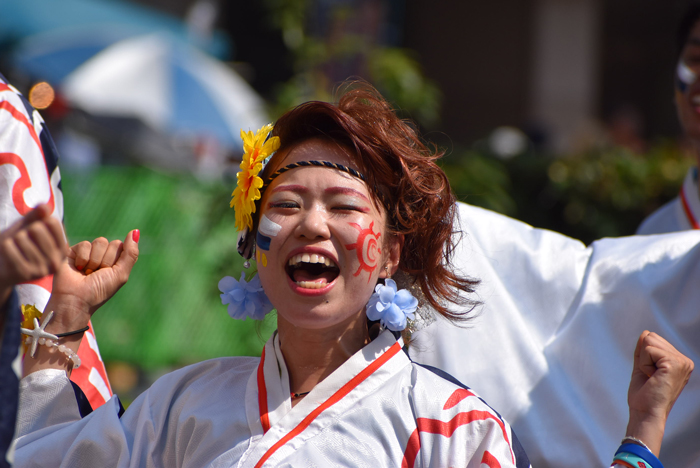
{"x": 659, "y": 374}
{"x": 93, "y": 273}
{"x": 31, "y": 248}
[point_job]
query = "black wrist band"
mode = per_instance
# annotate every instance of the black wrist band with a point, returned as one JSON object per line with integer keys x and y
{"x": 75, "y": 332}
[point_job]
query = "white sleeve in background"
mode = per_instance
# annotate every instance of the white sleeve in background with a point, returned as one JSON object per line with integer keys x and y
{"x": 552, "y": 346}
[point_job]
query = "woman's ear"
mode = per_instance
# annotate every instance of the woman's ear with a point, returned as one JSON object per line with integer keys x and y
{"x": 393, "y": 258}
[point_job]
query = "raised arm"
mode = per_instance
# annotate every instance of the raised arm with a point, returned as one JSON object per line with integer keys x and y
{"x": 659, "y": 374}
{"x": 93, "y": 273}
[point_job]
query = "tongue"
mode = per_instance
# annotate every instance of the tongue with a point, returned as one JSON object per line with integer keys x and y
{"x": 303, "y": 275}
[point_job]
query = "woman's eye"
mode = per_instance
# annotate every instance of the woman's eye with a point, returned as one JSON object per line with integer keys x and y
{"x": 359, "y": 209}
{"x": 283, "y": 205}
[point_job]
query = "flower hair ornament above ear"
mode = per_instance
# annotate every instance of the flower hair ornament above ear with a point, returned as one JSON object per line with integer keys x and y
{"x": 246, "y": 298}
{"x": 257, "y": 149}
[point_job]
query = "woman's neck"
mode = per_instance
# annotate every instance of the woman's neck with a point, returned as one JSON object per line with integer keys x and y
{"x": 312, "y": 355}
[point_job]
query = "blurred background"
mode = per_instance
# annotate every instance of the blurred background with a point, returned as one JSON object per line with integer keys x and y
{"x": 556, "y": 112}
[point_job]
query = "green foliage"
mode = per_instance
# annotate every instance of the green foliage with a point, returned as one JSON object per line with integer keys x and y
{"x": 169, "y": 313}
{"x": 603, "y": 193}
{"x": 318, "y": 61}
{"x": 399, "y": 77}
{"x": 480, "y": 180}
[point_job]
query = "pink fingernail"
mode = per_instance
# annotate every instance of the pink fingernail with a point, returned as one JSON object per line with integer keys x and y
{"x": 136, "y": 235}
{"x": 79, "y": 268}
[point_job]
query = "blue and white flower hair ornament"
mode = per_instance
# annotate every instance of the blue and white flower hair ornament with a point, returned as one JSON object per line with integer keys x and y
{"x": 244, "y": 298}
{"x": 391, "y": 307}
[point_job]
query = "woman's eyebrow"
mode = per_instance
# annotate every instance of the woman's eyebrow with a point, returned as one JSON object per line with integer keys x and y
{"x": 290, "y": 188}
{"x": 345, "y": 191}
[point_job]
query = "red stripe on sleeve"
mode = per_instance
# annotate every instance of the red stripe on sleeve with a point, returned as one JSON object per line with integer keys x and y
{"x": 335, "y": 398}
{"x": 458, "y": 395}
{"x": 262, "y": 395}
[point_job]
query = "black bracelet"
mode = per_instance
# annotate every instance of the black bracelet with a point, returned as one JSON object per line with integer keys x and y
{"x": 75, "y": 332}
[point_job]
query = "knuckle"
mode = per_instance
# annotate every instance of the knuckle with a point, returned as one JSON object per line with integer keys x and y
{"x": 101, "y": 241}
{"x": 53, "y": 222}
{"x": 35, "y": 228}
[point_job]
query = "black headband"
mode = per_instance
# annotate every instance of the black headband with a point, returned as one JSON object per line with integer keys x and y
{"x": 328, "y": 164}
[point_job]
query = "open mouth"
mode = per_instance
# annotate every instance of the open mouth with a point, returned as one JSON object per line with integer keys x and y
{"x": 312, "y": 271}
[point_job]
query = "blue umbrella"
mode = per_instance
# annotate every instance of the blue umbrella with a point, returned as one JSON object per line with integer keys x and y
{"x": 61, "y": 35}
{"x": 53, "y": 55}
{"x": 174, "y": 88}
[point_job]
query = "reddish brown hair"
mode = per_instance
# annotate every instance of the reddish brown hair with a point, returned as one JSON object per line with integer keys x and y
{"x": 402, "y": 172}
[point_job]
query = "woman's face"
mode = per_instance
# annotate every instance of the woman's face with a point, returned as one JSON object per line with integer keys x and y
{"x": 321, "y": 241}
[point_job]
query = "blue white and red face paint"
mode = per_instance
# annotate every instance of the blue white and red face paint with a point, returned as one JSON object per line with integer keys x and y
{"x": 685, "y": 77}
{"x": 266, "y": 231}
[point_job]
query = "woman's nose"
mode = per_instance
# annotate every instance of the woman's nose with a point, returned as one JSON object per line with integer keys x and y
{"x": 314, "y": 225}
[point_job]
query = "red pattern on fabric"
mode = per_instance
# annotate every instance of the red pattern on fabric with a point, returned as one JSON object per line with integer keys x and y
{"x": 19, "y": 202}
{"x": 457, "y": 396}
{"x": 21, "y": 184}
{"x": 688, "y": 211}
{"x": 46, "y": 282}
{"x": 435, "y": 426}
{"x": 262, "y": 395}
{"x": 335, "y": 398}
{"x": 447, "y": 428}
{"x": 90, "y": 359}
{"x": 490, "y": 460}
{"x": 411, "y": 452}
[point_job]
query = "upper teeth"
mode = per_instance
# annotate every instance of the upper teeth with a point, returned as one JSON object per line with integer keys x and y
{"x": 310, "y": 258}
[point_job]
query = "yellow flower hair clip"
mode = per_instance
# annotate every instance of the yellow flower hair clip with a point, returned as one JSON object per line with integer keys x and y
{"x": 256, "y": 149}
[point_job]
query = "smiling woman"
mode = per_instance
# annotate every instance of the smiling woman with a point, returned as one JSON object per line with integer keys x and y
{"x": 350, "y": 198}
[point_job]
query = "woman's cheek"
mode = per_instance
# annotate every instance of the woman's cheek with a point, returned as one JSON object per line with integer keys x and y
{"x": 268, "y": 230}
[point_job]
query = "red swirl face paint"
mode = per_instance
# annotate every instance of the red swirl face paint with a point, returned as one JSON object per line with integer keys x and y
{"x": 367, "y": 248}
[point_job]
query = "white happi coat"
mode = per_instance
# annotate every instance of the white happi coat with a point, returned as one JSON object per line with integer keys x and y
{"x": 552, "y": 346}
{"x": 680, "y": 214}
{"x": 377, "y": 410}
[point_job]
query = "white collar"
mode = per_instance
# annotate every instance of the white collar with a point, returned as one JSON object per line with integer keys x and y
{"x": 690, "y": 198}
